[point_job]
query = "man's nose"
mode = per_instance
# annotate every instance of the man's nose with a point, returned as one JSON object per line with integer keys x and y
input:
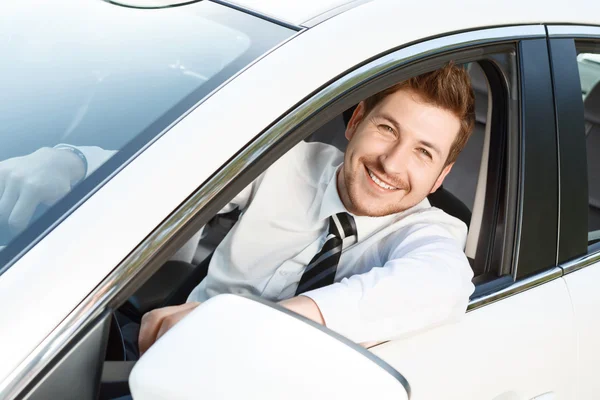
{"x": 394, "y": 160}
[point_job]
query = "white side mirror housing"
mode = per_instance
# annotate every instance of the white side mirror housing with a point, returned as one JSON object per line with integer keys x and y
{"x": 234, "y": 347}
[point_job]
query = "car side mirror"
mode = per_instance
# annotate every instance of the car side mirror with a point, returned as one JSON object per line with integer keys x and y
{"x": 234, "y": 347}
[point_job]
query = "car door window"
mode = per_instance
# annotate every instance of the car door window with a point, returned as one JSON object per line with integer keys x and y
{"x": 498, "y": 68}
{"x": 588, "y": 62}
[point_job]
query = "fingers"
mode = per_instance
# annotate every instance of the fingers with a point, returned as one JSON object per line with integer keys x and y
{"x": 8, "y": 200}
{"x": 157, "y": 322}
{"x": 23, "y": 210}
{"x": 170, "y": 321}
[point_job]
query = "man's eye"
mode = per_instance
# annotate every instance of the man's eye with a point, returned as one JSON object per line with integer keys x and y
{"x": 387, "y": 129}
{"x": 425, "y": 153}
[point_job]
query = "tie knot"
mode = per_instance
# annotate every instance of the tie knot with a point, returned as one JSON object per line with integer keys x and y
{"x": 342, "y": 225}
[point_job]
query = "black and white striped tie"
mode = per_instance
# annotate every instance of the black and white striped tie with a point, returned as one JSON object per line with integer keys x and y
{"x": 323, "y": 266}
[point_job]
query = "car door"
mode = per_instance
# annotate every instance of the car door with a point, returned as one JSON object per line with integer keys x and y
{"x": 575, "y": 53}
{"x": 506, "y": 346}
{"x": 521, "y": 307}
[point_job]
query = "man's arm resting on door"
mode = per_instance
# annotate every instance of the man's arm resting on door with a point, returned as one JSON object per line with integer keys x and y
{"x": 304, "y": 306}
{"x": 424, "y": 280}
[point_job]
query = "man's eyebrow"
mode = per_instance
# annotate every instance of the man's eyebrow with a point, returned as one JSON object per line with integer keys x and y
{"x": 431, "y": 146}
{"x": 391, "y": 119}
{"x": 397, "y": 125}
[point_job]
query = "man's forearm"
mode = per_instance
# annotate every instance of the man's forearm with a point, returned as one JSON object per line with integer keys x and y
{"x": 304, "y": 306}
{"x": 307, "y": 307}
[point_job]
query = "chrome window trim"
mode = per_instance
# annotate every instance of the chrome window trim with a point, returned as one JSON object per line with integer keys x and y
{"x": 93, "y": 305}
{"x": 581, "y": 262}
{"x": 258, "y": 14}
{"x": 316, "y": 20}
{"x": 516, "y": 288}
{"x": 573, "y": 31}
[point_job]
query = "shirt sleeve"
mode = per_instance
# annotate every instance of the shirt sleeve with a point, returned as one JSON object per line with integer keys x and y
{"x": 424, "y": 281}
{"x": 94, "y": 156}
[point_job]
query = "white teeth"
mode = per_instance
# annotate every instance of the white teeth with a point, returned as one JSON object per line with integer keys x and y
{"x": 380, "y": 183}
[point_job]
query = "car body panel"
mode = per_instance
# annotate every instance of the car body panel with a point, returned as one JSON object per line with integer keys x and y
{"x": 524, "y": 344}
{"x": 583, "y": 289}
{"x": 417, "y": 15}
{"x": 296, "y": 13}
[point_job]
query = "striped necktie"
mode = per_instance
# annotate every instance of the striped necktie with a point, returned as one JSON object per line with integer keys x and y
{"x": 322, "y": 268}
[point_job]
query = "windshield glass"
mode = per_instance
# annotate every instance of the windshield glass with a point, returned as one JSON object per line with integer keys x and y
{"x": 86, "y": 84}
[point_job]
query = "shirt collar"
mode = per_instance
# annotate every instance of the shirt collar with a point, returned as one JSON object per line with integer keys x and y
{"x": 332, "y": 204}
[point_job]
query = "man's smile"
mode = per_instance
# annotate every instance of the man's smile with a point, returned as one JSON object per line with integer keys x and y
{"x": 380, "y": 182}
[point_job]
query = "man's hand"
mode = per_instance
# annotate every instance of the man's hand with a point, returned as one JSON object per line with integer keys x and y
{"x": 157, "y": 322}
{"x": 42, "y": 177}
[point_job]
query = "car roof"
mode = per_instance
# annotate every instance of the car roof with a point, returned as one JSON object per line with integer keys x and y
{"x": 470, "y": 13}
{"x": 296, "y": 12}
{"x": 311, "y": 12}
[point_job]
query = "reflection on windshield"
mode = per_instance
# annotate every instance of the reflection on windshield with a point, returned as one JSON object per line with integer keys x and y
{"x": 104, "y": 76}
{"x": 83, "y": 80}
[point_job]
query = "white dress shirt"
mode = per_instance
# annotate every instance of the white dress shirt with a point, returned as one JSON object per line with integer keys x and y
{"x": 403, "y": 273}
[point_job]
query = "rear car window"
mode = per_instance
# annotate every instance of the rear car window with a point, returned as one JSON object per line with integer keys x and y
{"x": 588, "y": 61}
{"x": 92, "y": 73}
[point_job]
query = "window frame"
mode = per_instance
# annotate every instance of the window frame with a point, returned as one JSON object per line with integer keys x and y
{"x": 312, "y": 113}
{"x": 573, "y": 253}
{"x": 268, "y": 146}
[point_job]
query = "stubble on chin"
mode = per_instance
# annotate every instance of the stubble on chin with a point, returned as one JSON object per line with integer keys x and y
{"x": 358, "y": 204}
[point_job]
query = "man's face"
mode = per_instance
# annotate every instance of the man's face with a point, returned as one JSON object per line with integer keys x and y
{"x": 397, "y": 154}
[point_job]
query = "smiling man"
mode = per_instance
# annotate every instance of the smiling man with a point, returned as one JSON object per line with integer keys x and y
{"x": 348, "y": 240}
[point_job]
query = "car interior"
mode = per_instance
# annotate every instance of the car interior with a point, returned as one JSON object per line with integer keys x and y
{"x": 591, "y": 106}
{"x": 462, "y": 195}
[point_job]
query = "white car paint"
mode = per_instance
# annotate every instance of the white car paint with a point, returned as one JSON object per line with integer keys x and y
{"x": 296, "y": 12}
{"x": 583, "y": 288}
{"x": 155, "y": 187}
{"x": 207, "y": 361}
{"x": 418, "y": 15}
{"x": 495, "y": 352}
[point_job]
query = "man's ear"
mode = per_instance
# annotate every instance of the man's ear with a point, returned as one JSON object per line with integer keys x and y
{"x": 442, "y": 176}
{"x": 357, "y": 117}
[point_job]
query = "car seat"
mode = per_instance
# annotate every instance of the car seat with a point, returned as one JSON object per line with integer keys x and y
{"x": 591, "y": 106}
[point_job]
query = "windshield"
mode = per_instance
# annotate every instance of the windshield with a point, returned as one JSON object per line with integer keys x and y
{"x": 86, "y": 84}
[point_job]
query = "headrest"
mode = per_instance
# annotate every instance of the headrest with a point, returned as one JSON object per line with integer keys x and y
{"x": 591, "y": 105}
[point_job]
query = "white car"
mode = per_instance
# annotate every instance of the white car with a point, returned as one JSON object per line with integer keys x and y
{"x": 198, "y": 98}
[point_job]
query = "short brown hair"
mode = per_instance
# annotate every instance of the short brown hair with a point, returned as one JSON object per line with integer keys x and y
{"x": 449, "y": 88}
